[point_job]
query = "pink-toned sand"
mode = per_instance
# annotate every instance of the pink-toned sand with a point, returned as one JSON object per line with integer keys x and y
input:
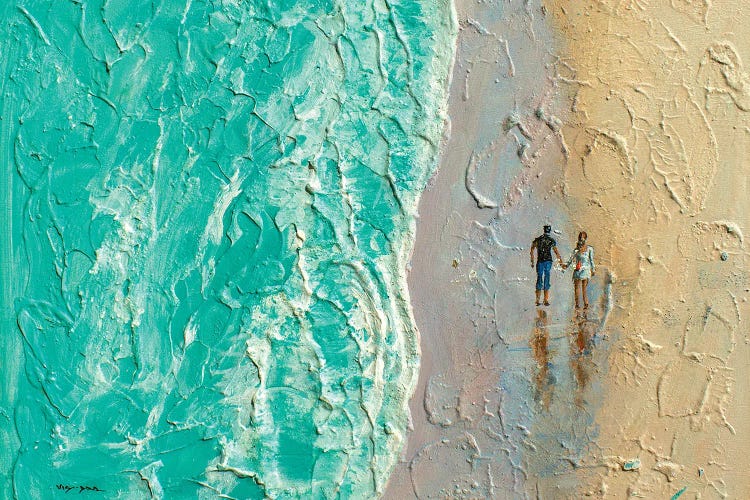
{"x": 627, "y": 119}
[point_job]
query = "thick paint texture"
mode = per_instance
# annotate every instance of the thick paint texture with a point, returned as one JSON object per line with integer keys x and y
{"x": 208, "y": 211}
{"x": 628, "y": 120}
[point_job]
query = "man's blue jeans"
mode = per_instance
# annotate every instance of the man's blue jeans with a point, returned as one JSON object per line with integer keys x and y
{"x": 542, "y": 274}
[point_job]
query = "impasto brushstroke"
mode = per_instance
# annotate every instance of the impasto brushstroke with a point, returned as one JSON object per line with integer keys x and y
{"x": 208, "y": 209}
{"x": 208, "y": 215}
{"x": 626, "y": 119}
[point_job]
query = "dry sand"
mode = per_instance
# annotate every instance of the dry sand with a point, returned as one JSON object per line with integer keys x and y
{"x": 626, "y": 119}
{"x": 657, "y": 173}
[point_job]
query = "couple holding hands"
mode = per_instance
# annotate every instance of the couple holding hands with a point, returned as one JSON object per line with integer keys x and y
{"x": 583, "y": 256}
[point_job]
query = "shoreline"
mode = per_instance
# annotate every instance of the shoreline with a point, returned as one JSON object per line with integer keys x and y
{"x": 623, "y": 122}
{"x": 495, "y": 187}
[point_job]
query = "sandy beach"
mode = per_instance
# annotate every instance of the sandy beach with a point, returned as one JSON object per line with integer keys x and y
{"x": 210, "y": 285}
{"x": 626, "y": 120}
{"x": 656, "y": 171}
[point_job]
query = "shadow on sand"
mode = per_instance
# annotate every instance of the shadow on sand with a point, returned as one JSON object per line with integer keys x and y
{"x": 553, "y": 386}
{"x": 581, "y": 339}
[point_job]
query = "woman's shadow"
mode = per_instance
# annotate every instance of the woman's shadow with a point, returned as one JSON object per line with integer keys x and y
{"x": 582, "y": 345}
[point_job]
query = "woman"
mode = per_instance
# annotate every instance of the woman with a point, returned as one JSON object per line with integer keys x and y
{"x": 584, "y": 268}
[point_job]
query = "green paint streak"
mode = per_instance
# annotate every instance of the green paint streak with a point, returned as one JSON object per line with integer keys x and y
{"x": 214, "y": 205}
{"x": 679, "y": 493}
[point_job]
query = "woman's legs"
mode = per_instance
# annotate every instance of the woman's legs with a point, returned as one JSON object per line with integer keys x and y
{"x": 576, "y": 284}
{"x": 584, "y": 285}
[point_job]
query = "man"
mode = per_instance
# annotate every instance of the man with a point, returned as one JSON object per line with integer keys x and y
{"x": 544, "y": 246}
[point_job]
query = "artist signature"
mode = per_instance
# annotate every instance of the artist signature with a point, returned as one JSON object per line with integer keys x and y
{"x": 80, "y": 488}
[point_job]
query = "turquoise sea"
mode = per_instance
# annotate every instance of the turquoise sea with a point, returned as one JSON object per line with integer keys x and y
{"x": 208, "y": 210}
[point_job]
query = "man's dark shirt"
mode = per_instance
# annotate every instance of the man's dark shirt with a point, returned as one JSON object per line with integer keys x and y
{"x": 544, "y": 246}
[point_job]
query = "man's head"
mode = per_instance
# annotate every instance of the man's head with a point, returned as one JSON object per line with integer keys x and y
{"x": 547, "y": 229}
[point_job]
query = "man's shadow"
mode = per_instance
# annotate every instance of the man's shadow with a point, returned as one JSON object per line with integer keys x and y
{"x": 544, "y": 380}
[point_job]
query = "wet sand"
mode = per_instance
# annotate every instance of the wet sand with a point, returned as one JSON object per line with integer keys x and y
{"x": 627, "y": 120}
{"x": 486, "y": 423}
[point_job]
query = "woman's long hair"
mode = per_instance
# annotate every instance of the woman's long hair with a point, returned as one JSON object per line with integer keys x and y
{"x": 581, "y": 240}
